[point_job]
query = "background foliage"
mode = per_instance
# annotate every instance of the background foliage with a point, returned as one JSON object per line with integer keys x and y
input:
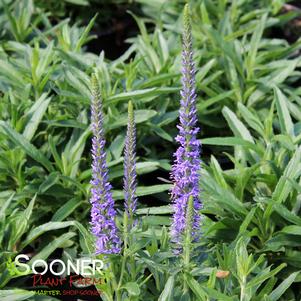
{"x": 247, "y": 57}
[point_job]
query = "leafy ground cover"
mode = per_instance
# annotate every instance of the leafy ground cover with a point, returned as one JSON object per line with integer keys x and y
{"x": 248, "y": 70}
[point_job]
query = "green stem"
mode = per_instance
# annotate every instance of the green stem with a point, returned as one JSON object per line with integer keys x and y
{"x": 133, "y": 268}
{"x": 112, "y": 284}
{"x": 125, "y": 239}
{"x": 243, "y": 289}
{"x": 187, "y": 241}
{"x": 122, "y": 272}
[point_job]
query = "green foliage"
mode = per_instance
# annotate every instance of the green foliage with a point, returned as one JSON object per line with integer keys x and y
{"x": 249, "y": 111}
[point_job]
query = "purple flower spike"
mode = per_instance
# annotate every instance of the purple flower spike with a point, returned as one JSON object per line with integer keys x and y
{"x": 102, "y": 213}
{"x": 186, "y": 169}
{"x": 130, "y": 177}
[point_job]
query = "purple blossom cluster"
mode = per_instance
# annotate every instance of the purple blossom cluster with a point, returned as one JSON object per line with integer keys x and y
{"x": 103, "y": 213}
{"x": 186, "y": 169}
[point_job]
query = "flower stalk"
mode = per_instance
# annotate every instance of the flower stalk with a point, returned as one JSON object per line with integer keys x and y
{"x": 130, "y": 199}
{"x": 103, "y": 213}
{"x": 130, "y": 176}
{"x": 186, "y": 169}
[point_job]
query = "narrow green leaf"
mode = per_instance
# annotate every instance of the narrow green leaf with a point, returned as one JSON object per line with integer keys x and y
{"x": 286, "y": 214}
{"x": 9, "y": 71}
{"x": 254, "y": 43}
{"x": 38, "y": 231}
{"x": 233, "y": 141}
{"x": 79, "y": 2}
{"x": 292, "y": 229}
{"x": 285, "y": 120}
{"x": 30, "y": 149}
{"x": 83, "y": 38}
{"x": 155, "y": 210}
{"x": 167, "y": 293}
{"x": 132, "y": 288}
{"x": 140, "y": 116}
{"x": 252, "y": 120}
{"x": 292, "y": 170}
{"x": 196, "y": 288}
{"x": 218, "y": 295}
{"x": 264, "y": 276}
{"x": 51, "y": 180}
{"x": 139, "y": 94}
{"x": 66, "y": 210}
{"x": 237, "y": 126}
{"x": 35, "y": 115}
{"x": 15, "y": 295}
{"x": 143, "y": 190}
{"x": 283, "y": 286}
{"x": 52, "y": 246}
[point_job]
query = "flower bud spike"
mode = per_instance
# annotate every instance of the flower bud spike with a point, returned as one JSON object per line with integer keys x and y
{"x": 103, "y": 213}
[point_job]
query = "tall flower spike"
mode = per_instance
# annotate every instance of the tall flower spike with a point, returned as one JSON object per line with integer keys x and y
{"x": 130, "y": 177}
{"x": 102, "y": 213}
{"x": 186, "y": 169}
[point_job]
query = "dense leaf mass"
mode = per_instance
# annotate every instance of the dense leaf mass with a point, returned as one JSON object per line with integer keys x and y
{"x": 247, "y": 103}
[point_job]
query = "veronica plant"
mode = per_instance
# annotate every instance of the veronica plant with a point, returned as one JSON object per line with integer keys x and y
{"x": 103, "y": 212}
{"x": 123, "y": 275}
{"x": 186, "y": 169}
